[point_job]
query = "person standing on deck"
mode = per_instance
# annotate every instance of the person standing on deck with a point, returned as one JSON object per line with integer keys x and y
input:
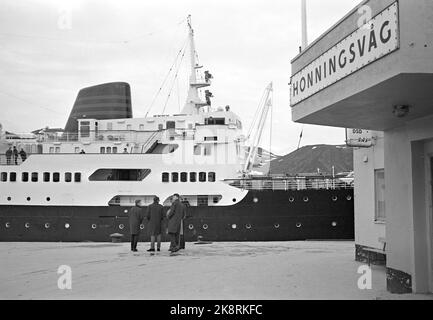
{"x": 8, "y": 156}
{"x": 135, "y": 219}
{"x": 175, "y": 216}
{"x": 155, "y": 215}
{"x": 15, "y": 152}
{"x": 23, "y": 155}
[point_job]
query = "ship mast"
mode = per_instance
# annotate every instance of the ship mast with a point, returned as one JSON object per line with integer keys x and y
{"x": 193, "y": 101}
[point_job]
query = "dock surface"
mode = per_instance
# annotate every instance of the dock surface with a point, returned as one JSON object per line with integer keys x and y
{"x": 220, "y": 270}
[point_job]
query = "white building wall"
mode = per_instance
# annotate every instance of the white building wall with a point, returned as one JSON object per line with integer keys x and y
{"x": 365, "y": 162}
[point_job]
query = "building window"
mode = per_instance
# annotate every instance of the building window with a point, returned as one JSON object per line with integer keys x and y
{"x": 68, "y": 177}
{"x": 165, "y": 177}
{"x": 46, "y": 177}
{"x": 183, "y": 177}
{"x": 4, "y": 176}
{"x": 192, "y": 176}
{"x": 77, "y": 177}
{"x": 211, "y": 177}
{"x": 102, "y": 150}
{"x": 25, "y": 177}
{"x": 379, "y": 195}
{"x": 34, "y": 177}
{"x": 174, "y": 177}
{"x": 56, "y": 177}
{"x": 213, "y": 138}
{"x": 12, "y": 176}
{"x": 202, "y": 176}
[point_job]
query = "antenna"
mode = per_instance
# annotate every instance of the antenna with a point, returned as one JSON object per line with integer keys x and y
{"x": 304, "y": 24}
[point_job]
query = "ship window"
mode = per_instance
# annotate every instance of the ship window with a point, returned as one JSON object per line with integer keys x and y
{"x": 213, "y": 138}
{"x": 211, "y": 177}
{"x": 25, "y": 177}
{"x": 202, "y": 176}
{"x": 165, "y": 177}
{"x": 192, "y": 176}
{"x": 109, "y": 126}
{"x": 34, "y": 177}
{"x": 4, "y": 177}
{"x": 160, "y": 126}
{"x": 215, "y": 121}
{"x": 202, "y": 201}
{"x": 57, "y": 149}
{"x": 51, "y": 149}
{"x": 77, "y": 177}
{"x": 102, "y": 150}
{"x": 141, "y": 127}
{"x": 108, "y": 149}
{"x": 114, "y": 149}
{"x": 46, "y": 177}
{"x": 119, "y": 174}
{"x": 379, "y": 191}
{"x": 174, "y": 177}
{"x": 68, "y": 177}
{"x": 207, "y": 150}
{"x": 85, "y": 129}
{"x": 128, "y": 127}
{"x": 183, "y": 177}
{"x": 56, "y": 177}
{"x": 13, "y": 176}
{"x": 77, "y": 150}
{"x": 197, "y": 150}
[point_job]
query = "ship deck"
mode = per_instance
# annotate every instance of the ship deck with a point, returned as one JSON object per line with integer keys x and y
{"x": 220, "y": 270}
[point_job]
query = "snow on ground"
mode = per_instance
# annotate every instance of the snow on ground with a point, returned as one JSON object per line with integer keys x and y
{"x": 230, "y": 270}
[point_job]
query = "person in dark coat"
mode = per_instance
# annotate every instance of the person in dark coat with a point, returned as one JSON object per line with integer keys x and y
{"x": 135, "y": 219}
{"x": 155, "y": 215}
{"x": 8, "y": 156}
{"x": 23, "y": 155}
{"x": 15, "y": 152}
{"x": 175, "y": 216}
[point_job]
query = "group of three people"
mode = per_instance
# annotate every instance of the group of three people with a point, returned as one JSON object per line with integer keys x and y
{"x": 13, "y": 153}
{"x": 155, "y": 217}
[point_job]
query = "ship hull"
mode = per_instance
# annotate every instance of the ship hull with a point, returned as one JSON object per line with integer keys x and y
{"x": 261, "y": 216}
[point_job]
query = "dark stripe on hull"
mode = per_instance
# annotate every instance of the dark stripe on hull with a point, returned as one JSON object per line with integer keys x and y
{"x": 261, "y": 216}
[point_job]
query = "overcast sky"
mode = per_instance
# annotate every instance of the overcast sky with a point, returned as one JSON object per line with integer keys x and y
{"x": 50, "y": 49}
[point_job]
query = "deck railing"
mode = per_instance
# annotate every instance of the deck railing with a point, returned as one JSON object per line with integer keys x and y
{"x": 291, "y": 183}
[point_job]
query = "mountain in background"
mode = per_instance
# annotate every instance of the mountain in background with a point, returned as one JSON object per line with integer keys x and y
{"x": 312, "y": 159}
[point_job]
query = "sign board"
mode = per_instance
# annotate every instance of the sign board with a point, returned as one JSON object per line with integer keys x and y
{"x": 376, "y": 38}
{"x": 359, "y": 138}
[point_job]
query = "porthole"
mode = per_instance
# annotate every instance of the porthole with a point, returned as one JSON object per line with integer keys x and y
{"x": 334, "y": 224}
{"x": 28, "y": 198}
{"x": 298, "y": 225}
{"x": 93, "y": 226}
{"x": 334, "y": 198}
{"x": 27, "y": 225}
{"x": 234, "y": 199}
{"x": 9, "y": 198}
{"x": 48, "y": 199}
{"x": 305, "y": 199}
{"x": 205, "y": 226}
{"x": 121, "y": 226}
{"x": 234, "y": 226}
{"x": 349, "y": 197}
{"x": 7, "y": 225}
{"x": 67, "y": 225}
{"x": 47, "y": 225}
{"x": 248, "y": 226}
{"x": 255, "y": 199}
{"x": 141, "y": 226}
{"x": 276, "y": 225}
{"x": 190, "y": 227}
{"x": 291, "y": 199}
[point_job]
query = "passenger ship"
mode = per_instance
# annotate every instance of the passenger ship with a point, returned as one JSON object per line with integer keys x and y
{"x": 78, "y": 185}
